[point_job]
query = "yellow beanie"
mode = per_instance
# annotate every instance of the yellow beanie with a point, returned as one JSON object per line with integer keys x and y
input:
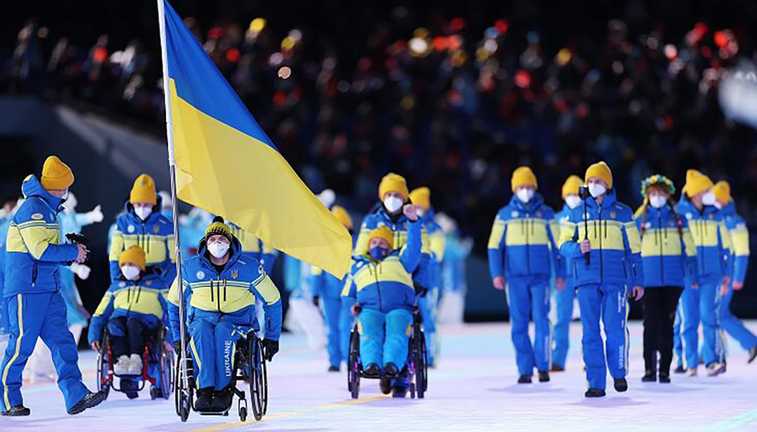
{"x": 696, "y": 183}
{"x": 421, "y": 197}
{"x": 143, "y": 190}
{"x": 218, "y": 227}
{"x": 600, "y": 170}
{"x": 571, "y": 186}
{"x": 722, "y": 191}
{"x": 523, "y": 176}
{"x": 383, "y": 232}
{"x": 342, "y": 216}
{"x": 133, "y": 255}
{"x": 56, "y": 175}
{"x": 393, "y": 183}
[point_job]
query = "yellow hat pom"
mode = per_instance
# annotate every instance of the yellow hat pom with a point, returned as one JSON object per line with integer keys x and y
{"x": 143, "y": 190}
{"x": 696, "y": 183}
{"x": 393, "y": 183}
{"x": 383, "y": 232}
{"x": 342, "y": 216}
{"x": 571, "y": 186}
{"x": 722, "y": 191}
{"x": 600, "y": 170}
{"x": 523, "y": 176}
{"x": 421, "y": 197}
{"x": 133, "y": 255}
{"x": 218, "y": 227}
{"x": 56, "y": 175}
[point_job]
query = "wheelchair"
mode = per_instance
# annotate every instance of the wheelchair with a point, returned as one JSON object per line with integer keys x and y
{"x": 155, "y": 354}
{"x": 249, "y": 367}
{"x": 416, "y": 366}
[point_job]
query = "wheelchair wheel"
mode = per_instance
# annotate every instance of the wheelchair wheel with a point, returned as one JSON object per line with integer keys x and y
{"x": 353, "y": 366}
{"x": 420, "y": 358}
{"x": 258, "y": 379}
{"x": 183, "y": 388}
{"x": 166, "y": 373}
{"x": 103, "y": 368}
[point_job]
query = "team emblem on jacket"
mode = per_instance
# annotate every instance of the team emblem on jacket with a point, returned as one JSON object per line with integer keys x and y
{"x": 200, "y": 274}
{"x": 131, "y": 228}
{"x": 121, "y": 284}
{"x": 155, "y": 229}
{"x": 538, "y": 214}
{"x": 148, "y": 283}
{"x": 612, "y": 215}
{"x": 688, "y": 215}
{"x": 234, "y": 274}
{"x": 514, "y": 214}
{"x": 38, "y": 216}
{"x": 648, "y": 225}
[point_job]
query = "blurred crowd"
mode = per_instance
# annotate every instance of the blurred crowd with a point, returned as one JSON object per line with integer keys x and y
{"x": 445, "y": 103}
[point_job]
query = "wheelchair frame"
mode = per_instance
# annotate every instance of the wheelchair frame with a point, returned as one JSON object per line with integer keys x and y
{"x": 249, "y": 366}
{"x": 164, "y": 358}
{"x": 416, "y": 364}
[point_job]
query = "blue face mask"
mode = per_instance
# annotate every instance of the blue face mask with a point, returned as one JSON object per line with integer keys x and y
{"x": 378, "y": 252}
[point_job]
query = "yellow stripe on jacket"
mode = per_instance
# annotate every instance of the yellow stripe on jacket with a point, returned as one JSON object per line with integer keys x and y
{"x": 607, "y": 234}
{"x": 157, "y": 247}
{"x": 32, "y": 237}
{"x": 388, "y": 270}
{"x": 740, "y": 240}
{"x": 705, "y": 233}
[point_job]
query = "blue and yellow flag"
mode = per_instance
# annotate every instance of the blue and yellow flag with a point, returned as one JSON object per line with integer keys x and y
{"x": 228, "y": 166}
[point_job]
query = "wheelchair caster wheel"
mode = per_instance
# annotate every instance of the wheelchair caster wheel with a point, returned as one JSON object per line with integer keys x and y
{"x": 243, "y": 414}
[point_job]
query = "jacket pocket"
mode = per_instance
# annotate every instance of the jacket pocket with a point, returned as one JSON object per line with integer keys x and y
{"x": 35, "y": 271}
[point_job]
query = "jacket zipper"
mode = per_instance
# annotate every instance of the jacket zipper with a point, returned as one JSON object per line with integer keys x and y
{"x": 601, "y": 256}
{"x": 662, "y": 272}
{"x": 528, "y": 245}
{"x": 378, "y": 285}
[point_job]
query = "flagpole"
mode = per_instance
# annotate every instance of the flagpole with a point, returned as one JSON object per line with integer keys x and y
{"x": 172, "y": 168}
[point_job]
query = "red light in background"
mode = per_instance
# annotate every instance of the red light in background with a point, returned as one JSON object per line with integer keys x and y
{"x": 440, "y": 43}
{"x": 100, "y": 54}
{"x": 215, "y": 33}
{"x": 457, "y": 24}
{"x": 522, "y": 79}
{"x": 501, "y": 25}
{"x": 232, "y": 55}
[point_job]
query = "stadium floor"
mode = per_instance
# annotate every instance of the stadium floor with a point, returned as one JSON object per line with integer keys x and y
{"x": 473, "y": 389}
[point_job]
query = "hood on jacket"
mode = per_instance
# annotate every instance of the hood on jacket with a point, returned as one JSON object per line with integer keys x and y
{"x": 31, "y": 187}
{"x": 235, "y": 248}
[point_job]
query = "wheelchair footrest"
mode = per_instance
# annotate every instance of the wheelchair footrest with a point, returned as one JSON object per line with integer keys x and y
{"x": 214, "y": 413}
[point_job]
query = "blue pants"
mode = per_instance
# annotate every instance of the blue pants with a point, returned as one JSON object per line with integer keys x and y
{"x": 701, "y": 305}
{"x": 677, "y": 339}
{"x": 33, "y": 316}
{"x": 564, "y": 303}
{"x": 524, "y": 297}
{"x": 606, "y": 303}
{"x": 384, "y": 337}
{"x": 213, "y": 346}
{"x": 427, "y": 307}
{"x": 338, "y": 325}
{"x": 733, "y": 325}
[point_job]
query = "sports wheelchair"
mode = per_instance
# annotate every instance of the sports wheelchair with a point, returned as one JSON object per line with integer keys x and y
{"x": 155, "y": 355}
{"x": 249, "y": 367}
{"x": 416, "y": 366}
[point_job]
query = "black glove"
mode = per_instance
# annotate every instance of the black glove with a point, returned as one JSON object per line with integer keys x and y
{"x": 316, "y": 301}
{"x": 270, "y": 348}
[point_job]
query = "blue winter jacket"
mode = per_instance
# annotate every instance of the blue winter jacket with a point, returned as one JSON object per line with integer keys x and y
{"x": 208, "y": 293}
{"x": 34, "y": 249}
{"x": 562, "y": 218}
{"x": 155, "y": 236}
{"x": 668, "y": 254}
{"x": 711, "y": 238}
{"x": 523, "y": 241}
{"x": 387, "y": 284}
{"x": 615, "y": 256}
{"x": 739, "y": 241}
{"x": 143, "y": 299}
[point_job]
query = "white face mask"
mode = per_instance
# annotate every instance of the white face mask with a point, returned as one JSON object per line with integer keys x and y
{"x": 708, "y": 198}
{"x": 218, "y": 249}
{"x": 393, "y": 204}
{"x": 657, "y": 201}
{"x": 130, "y": 272}
{"x": 524, "y": 194}
{"x": 572, "y": 201}
{"x": 143, "y": 212}
{"x": 596, "y": 189}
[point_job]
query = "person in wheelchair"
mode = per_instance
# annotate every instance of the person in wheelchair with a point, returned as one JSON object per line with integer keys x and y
{"x": 220, "y": 286}
{"x": 132, "y": 310}
{"x": 384, "y": 296}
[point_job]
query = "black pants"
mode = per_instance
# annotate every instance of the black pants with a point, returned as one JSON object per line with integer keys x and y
{"x": 659, "y": 313}
{"x": 135, "y": 331}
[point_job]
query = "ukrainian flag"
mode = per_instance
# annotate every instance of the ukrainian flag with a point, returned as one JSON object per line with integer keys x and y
{"x": 228, "y": 166}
